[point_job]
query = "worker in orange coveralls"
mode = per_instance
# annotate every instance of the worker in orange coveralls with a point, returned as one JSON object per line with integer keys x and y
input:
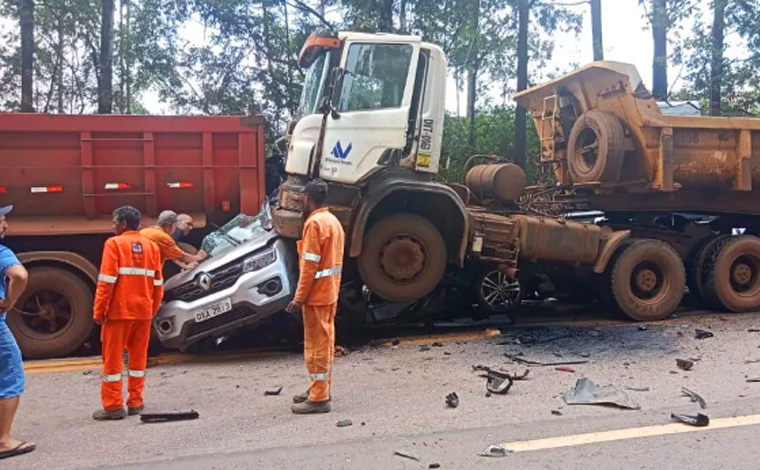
{"x": 321, "y": 260}
{"x": 129, "y": 292}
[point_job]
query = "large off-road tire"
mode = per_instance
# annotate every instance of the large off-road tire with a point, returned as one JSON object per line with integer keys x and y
{"x": 694, "y": 264}
{"x": 732, "y": 274}
{"x": 595, "y": 148}
{"x": 497, "y": 292}
{"x": 646, "y": 280}
{"x": 403, "y": 258}
{"x": 57, "y": 317}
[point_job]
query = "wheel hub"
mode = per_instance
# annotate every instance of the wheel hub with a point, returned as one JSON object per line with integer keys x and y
{"x": 402, "y": 258}
{"x": 741, "y": 274}
{"x": 646, "y": 280}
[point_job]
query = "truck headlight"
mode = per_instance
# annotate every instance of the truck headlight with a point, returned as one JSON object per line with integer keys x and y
{"x": 259, "y": 261}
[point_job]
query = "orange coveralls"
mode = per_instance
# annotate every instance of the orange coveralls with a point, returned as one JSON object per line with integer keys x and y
{"x": 129, "y": 292}
{"x": 321, "y": 261}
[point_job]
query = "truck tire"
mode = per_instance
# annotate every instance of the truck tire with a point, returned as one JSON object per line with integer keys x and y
{"x": 732, "y": 274}
{"x": 57, "y": 316}
{"x": 403, "y": 258}
{"x": 595, "y": 148}
{"x": 497, "y": 292}
{"x": 695, "y": 261}
{"x": 647, "y": 280}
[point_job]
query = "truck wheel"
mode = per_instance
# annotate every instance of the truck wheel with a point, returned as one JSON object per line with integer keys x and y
{"x": 595, "y": 148}
{"x": 403, "y": 258}
{"x": 497, "y": 292}
{"x": 695, "y": 261}
{"x": 53, "y": 317}
{"x": 732, "y": 274}
{"x": 647, "y": 280}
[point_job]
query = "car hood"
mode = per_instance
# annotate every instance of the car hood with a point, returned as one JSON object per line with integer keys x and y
{"x": 246, "y": 248}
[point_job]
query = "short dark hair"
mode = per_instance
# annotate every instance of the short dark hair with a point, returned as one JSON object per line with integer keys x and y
{"x": 317, "y": 191}
{"x": 128, "y": 215}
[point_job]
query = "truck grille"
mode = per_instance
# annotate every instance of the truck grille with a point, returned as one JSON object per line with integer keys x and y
{"x": 221, "y": 278}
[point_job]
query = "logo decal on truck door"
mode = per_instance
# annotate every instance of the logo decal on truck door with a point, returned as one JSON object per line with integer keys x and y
{"x": 339, "y": 152}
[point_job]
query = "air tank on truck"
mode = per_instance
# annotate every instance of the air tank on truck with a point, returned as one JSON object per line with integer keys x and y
{"x": 66, "y": 174}
{"x": 370, "y": 125}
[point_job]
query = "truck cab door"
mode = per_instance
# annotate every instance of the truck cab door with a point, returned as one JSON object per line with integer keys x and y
{"x": 372, "y": 100}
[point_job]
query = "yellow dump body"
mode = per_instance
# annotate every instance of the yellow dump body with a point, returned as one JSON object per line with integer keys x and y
{"x": 662, "y": 153}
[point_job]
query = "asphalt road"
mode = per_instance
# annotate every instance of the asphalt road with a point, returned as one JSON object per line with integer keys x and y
{"x": 395, "y": 398}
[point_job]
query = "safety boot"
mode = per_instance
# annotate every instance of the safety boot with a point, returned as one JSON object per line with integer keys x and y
{"x": 106, "y": 415}
{"x": 302, "y": 397}
{"x": 311, "y": 407}
{"x": 135, "y": 410}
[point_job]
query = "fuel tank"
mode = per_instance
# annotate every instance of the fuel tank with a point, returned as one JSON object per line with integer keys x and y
{"x": 501, "y": 181}
{"x": 549, "y": 239}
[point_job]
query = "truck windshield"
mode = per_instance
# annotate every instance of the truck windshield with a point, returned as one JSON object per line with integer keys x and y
{"x": 314, "y": 84}
{"x": 239, "y": 230}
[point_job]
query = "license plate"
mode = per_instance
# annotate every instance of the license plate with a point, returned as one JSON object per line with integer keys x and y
{"x": 214, "y": 310}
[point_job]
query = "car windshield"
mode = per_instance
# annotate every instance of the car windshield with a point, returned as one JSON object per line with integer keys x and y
{"x": 313, "y": 85}
{"x": 240, "y": 229}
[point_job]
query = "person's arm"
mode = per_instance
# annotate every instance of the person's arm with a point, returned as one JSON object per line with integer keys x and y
{"x": 158, "y": 285}
{"x": 109, "y": 274}
{"x": 17, "y": 279}
{"x": 311, "y": 254}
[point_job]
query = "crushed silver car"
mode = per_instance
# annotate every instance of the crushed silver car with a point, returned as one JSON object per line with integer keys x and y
{"x": 250, "y": 275}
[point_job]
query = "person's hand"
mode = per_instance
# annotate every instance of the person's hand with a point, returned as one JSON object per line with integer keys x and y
{"x": 293, "y": 307}
{"x": 5, "y": 305}
{"x": 202, "y": 254}
{"x": 190, "y": 266}
{"x": 98, "y": 321}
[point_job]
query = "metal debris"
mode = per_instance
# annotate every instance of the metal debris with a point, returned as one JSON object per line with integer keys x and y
{"x": 556, "y": 413}
{"x": 498, "y": 382}
{"x": 684, "y": 364}
{"x": 520, "y": 360}
{"x": 406, "y": 455}
{"x": 586, "y": 392}
{"x": 452, "y": 400}
{"x": 344, "y": 423}
{"x": 694, "y": 396}
{"x": 495, "y": 451}
{"x": 272, "y": 391}
{"x": 755, "y": 380}
{"x": 434, "y": 465}
{"x": 698, "y": 420}
{"x": 702, "y": 334}
{"x": 165, "y": 417}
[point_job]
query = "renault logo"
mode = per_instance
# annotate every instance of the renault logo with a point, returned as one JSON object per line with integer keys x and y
{"x": 204, "y": 281}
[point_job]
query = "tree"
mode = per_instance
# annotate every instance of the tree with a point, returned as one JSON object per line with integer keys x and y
{"x": 26, "y": 14}
{"x": 716, "y": 62}
{"x": 522, "y": 80}
{"x": 105, "y": 69}
{"x": 660, "y": 38}
{"x": 596, "y": 29}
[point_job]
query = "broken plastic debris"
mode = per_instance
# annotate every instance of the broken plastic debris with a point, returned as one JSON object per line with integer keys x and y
{"x": 702, "y": 334}
{"x": 434, "y": 465}
{"x": 565, "y": 369}
{"x": 495, "y": 451}
{"x": 172, "y": 416}
{"x": 452, "y": 400}
{"x": 694, "y": 396}
{"x": 498, "y": 382}
{"x": 406, "y": 455}
{"x": 272, "y": 391}
{"x": 556, "y": 413}
{"x": 586, "y": 392}
{"x": 344, "y": 423}
{"x": 698, "y": 420}
{"x": 684, "y": 364}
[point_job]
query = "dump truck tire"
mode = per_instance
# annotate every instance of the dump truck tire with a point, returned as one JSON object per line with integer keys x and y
{"x": 732, "y": 274}
{"x": 403, "y": 258}
{"x": 595, "y": 148}
{"x": 647, "y": 280}
{"x": 54, "y": 298}
{"x": 694, "y": 264}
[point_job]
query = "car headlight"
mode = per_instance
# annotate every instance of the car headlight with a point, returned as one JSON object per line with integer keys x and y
{"x": 259, "y": 261}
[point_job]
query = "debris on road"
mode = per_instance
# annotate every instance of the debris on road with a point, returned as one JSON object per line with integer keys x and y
{"x": 752, "y": 361}
{"x": 172, "y": 416}
{"x": 586, "y": 392}
{"x": 88, "y": 372}
{"x": 434, "y": 465}
{"x": 343, "y": 423}
{"x": 754, "y": 380}
{"x": 638, "y": 389}
{"x": 498, "y": 382}
{"x": 452, "y": 400}
{"x": 273, "y": 391}
{"x": 491, "y": 332}
{"x": 528, "y": 362}
{"x": 340, "y": 351}
{"x": 406, "y": 455}
{"x": 702, "y": 334}
{"x": 753, "y": 330}
{"x": 424, "y": 348}
{"x": 437, "y": 344}
{"x": 684, "y": 364}
{"x": 643, "y": 328}
{"x": 556, "y": 413}
{"x": 495, "y": 451}
{"x": 698, "y": 420}
{"x": 565, "y": 369}
{"x": 694, "y": 396}
{"x": 395, "y": 342}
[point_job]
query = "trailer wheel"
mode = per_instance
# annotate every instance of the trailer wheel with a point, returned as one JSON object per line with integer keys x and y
{"x": 497, "y": 292}
{"x": 403, "y": 258}
{"x": 647, "y": 280}
{"x": 732, "y": 274}
{"x": 695, "y": 261}
{"x": 595, "y": 148}
{"x": 53, "y": 317}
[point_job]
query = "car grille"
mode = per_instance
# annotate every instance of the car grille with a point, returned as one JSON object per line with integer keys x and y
{"x": 236, "y": 314}
{"x": 221, "y": 278}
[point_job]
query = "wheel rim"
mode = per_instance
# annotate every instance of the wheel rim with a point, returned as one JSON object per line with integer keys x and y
{"x": 744, "y": 275}
{"x": 403, "y": 258}
{"x": 499, "y": 290}
{"x": 45, "y": 313}
{"x": 587, "y": 147}
{"x": 650, "y": 283}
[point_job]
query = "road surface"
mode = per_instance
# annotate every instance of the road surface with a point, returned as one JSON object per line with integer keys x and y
{"x": 394, "y": 397}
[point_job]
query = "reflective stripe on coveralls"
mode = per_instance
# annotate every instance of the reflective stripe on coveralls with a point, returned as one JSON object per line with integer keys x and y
{"x": 111, "y": 378}
{"x": 136, "y": 373}
{"x": 311, "y": 257}
{"x": 327, "y": 272}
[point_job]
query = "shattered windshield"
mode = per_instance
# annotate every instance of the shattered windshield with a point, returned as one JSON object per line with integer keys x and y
{"x": 237, "y": 231}
{"x": 313, "y": 85}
